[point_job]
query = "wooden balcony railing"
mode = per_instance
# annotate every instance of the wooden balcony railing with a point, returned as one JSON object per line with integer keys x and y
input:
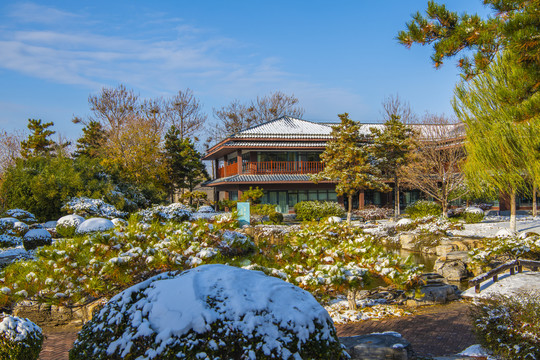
{"x": 272, "y": 167}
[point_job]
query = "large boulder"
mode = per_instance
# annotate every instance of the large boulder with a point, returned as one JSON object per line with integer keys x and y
{"x": 20, "y": 339}
{"x": 453, "y": 270}
{"x": 209, "y": 312}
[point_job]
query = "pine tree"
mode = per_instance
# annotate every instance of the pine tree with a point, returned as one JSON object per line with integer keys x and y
{"x": 501, "y": 154}
{"x": 183, "y": 161}
{"x": 393, "y": 147}
{"x": 515, "y": 29}
{"x": 38, "y": 142}
{"x": 92, "y": 141}
{"x": 346, "y": 162}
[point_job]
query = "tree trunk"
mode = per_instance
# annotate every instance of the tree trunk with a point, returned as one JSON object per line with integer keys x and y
{"x": 513, "y": 210}
{"x": 351, "y": 299}
{"x": 349, "y": 211}
{"x": 396, "y": 197}
{"x": 534, "y": 210}
{"x": 444, "y": 206}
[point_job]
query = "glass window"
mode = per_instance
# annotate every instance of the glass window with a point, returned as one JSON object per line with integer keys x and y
{"x": 233, "y": 195}
{"x": 312, "y": 195}
{"x": 302, "y": 196}
{"x": 272, "y": 197}
{"x": 323, "y": 195}
{"x": 377, "y": 198}
{"x": 332, "y": 196}
{"x": 293, "y": 198}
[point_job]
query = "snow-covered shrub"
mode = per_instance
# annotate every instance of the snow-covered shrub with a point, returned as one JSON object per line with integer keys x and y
{"x": 206, "y": 209}
{"x": 9, "y": 241}
{"x": 276, "y": 217}
{"x": 175, "y": 212}
{"x": 87, "y": 207}
{"x": 7, "y": 224}
{"x": 210, "y": 312}
{"x": 66, "y": 225}
{"x": 20, "y": 228}
{"x": 315, "y": 210}
{"x": 423, "y": 208}
{"x": 21, "y": 215}
{"x": 20, "y": 339}
{"x": 502, "y": 249}
{"x": 509, "y": 326}
{"x": 94, "y": 225}
{"x": 35, "y": 238}
{"x": 372, "y": 212}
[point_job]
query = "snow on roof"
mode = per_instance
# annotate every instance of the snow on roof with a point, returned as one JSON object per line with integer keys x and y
{"x": 288, "y": 127}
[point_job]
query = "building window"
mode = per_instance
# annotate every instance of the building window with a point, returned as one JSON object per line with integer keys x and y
{"x": 233, "y": 195}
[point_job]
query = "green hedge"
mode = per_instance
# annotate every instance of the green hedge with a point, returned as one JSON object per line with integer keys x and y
{"x": 422, "y": 208}
{"x": 315, "y": 210}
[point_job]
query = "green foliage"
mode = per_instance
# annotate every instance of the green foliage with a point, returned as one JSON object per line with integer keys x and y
{"x": 346, "y": 161}
{"x": 18, "y": 344}
{"x": 509, "y": 326}
{"x": 502, "y": 249}
{"x": 227, "y": 204}
{"x": 34, "y": 243}
{"x": 197, "y": 198}
{"x": 315, "y": 210}
{"x": 184, "y": 166}
{"x": 38, "y": 142}
{"x": 473, "y": 217}
{"x": 262, "y": 209}
{"x": 276, "y": 217}
{"x": 423, "y": 208}
{"x": 253, "y": 196}
{"x": 513, "y": 29}
{"x": 90, "y": 144}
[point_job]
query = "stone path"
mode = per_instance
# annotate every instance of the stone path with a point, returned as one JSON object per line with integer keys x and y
{"x": 434, "y": 331}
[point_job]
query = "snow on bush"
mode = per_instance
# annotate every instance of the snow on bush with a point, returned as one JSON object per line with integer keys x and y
{"x": 509, "y": 326}
{"x": 334, "y": 219}
{"x": 502, "y": 249}
{"x": 119, "y": 222}
{"x": 35, "y": 238}
{"x": 22, "y": 215}
{"x": 7, "y": 224}
{"x": 505, "y": 233}
{"x": 94, "y": 225}
{"x": 315, "y": 210}
{"x": 174, "y": 212}
{"x": 20, "y": 339}
{"x": 87, "y": 207}
{"x": 213, "y": 311}
{"x": 66, "y": 225}
{"x": 7, "y": 241}
{"x": 404, "y": 222}
{"x": 372, "y": 212}
{"x": 206, "y": 209}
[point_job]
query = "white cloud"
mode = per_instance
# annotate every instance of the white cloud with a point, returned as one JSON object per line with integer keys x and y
{"x": 39, "y": 14}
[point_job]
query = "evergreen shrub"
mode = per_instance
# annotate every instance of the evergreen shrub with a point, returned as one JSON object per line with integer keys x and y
{"x": 423, "y": 208}
{"x": 20, "y": 339}
{"x": 509, "y": 327}
{"x": 315, "y": 210}
{"x": 276, "y": 217}
{"x": 35, "y": 238}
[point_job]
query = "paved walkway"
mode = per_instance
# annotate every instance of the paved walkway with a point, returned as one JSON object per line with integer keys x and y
{"x": 434, "y": 331}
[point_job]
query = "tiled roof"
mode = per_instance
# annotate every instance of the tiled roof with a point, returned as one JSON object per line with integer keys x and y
{"x": 287, "y": 127}
{"x": 261, "y": 178}
{"x": 274, "y": 144}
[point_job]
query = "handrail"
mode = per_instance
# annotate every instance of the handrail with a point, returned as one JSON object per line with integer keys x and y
{"x": 271, "y": 167}
{"x": 512, "y": 265}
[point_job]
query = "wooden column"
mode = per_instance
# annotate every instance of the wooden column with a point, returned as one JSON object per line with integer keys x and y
{"x": 361, "y": 202}
{"x": 239, "y": 161}
{"x": 216, "y": 169}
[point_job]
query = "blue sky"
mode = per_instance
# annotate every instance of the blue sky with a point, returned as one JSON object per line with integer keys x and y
{"x": 335, "y": 56}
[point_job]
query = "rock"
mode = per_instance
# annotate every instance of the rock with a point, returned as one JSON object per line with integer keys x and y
{"x": 334, "y": 220}
{"x": 445, "y": 246}
{"x": 438, "y": 293}
{"x": 387, "y": 345}
{"x": 505, "y": 233}
{"x": 453, "y": 270}
{"x": 408, "y": 241}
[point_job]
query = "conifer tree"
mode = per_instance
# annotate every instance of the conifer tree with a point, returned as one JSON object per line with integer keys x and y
{"x": 346, "y": 162}
{"x": 501, "y": 154}
{"x": 91, "y": 143}
{"x": 184, "y": 166}
{"x": 38, "y": 142}
{"x": 393, "y": 148}
{"x": 514, "y": 29}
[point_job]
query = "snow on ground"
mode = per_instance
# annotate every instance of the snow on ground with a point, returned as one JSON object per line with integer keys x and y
{"x": 508, "y": 285}
{"x": 493, "y": 224}
{"x": 12, "y": 251}
{"x": 477, "y": 351}
{"x": 367, "y": 309}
